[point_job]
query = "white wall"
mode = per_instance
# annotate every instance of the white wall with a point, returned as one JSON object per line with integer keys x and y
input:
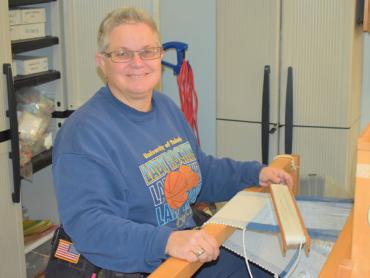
{"x": 194, "y": 22}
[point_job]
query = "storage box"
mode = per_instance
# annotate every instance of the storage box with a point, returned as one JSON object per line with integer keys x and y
{"x": 30, "y": 64}
{"x": 27, "y": 16}
{"x": 33, "y": 15}
{"x": 15, "y": 17}
{"x": 35, "y": 30}
{"x": 27, "y": 31}
{"x": 15, "y": 32}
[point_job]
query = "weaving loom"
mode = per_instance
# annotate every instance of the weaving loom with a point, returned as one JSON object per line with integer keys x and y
{"x": 347, "y": 257}
{"x": 173, "y": 267}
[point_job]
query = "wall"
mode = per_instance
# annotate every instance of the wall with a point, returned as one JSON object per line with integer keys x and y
{"x": 194, "y": 22}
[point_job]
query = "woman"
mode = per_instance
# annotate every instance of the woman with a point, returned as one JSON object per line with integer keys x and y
{"x": 127, "y": 166}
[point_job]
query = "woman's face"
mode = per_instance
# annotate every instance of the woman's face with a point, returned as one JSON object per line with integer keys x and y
{"x": 136, "y": 78}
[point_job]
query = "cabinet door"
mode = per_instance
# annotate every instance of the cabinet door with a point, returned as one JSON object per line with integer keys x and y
{"x": 247, "y": 40}
{"x": 242, "y": 141}
{"x": 322, "y": 43}
{"x": 80, "y": 46}
{"x": 12, "y": 263}
{"x": 329, "y": 153}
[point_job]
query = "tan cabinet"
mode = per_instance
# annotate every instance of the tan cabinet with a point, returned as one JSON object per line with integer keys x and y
{"x": 315, "y": 111}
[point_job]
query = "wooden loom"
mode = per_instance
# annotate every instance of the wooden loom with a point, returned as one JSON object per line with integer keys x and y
{"x": 176, "y": 268}
{"x": 291, "y": 224}
{"x": 350, "y": 256}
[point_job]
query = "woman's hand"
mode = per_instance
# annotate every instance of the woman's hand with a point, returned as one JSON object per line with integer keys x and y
{"x": 192, "y": 246}
{"x": 270, "y": 175}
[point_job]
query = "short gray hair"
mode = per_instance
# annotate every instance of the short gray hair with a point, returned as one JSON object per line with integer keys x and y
{"x": 123, "y": 16}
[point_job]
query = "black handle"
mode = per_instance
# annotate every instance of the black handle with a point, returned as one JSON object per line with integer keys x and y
{"x": 265, "y": 128}
{"x": 289, "y": 112}
{"x": 14, "y": 138}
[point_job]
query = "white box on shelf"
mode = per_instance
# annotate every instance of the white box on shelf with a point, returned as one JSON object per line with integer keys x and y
{"x": 33, "y": 15}
{"x": 27, "y": 16}
{"x": 30, "y": 64}
{"x": 27, "y": 31}
{"x": 15, "y": 32}
{"x": 33, "y": 30}
{"x": 15, "y": 17}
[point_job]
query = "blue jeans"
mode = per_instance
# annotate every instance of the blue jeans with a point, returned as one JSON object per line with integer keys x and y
{"x": 230, "y": 265}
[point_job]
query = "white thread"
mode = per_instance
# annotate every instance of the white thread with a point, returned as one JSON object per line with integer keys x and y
{"x": 245, "y": 253}
{"x": 292, "y": 162}
{"x": 290, "y": 272}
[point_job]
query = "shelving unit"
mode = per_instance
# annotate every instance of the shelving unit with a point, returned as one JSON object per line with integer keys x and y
{"x": 38, "y": 197}
{"x": 44, "y": 46}
{"x": 41, "y": 160}
{"x": 41, "y": 239}
{"x": 32, "y": 44}
{"x": 17, "y": 3}
{"x": 35, "y": 79}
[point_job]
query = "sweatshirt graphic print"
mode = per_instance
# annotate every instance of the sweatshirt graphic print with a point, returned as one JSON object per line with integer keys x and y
{"x": 173, "y": 177}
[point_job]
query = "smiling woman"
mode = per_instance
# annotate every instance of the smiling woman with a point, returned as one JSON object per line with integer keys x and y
{"x": 127, "y": 166}
{"x": 130, "y": 61}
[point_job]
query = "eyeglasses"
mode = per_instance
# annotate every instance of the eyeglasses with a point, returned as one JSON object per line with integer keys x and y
{"x": 125, "y": 55}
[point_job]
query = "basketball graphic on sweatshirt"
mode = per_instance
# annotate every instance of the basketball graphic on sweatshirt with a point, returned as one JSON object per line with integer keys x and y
{"x": 178, "y": 184}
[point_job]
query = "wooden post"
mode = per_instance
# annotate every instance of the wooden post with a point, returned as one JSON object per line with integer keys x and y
{"x": 360, "y": 253}
{"x": 366, "y": 23}
{"x": 351, "y": 253}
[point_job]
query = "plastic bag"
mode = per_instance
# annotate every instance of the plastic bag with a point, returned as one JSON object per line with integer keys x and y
{"x": 34, "y": 110}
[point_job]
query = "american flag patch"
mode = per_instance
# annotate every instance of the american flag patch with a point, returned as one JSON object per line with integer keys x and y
{"x": 66, "y": 251}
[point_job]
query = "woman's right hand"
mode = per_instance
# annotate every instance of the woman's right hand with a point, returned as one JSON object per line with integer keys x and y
{"x": 192, "y": 246}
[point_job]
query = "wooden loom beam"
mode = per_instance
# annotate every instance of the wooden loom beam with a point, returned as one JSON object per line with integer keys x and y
{"x": 351, "y": 253}
{"x": 279, "y": 216}
{"x": 366, "y": 23}
{"x": 176, "y": 268}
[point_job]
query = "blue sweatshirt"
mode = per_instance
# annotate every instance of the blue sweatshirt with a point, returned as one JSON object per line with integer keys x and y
{"x": 125, "y": 180}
